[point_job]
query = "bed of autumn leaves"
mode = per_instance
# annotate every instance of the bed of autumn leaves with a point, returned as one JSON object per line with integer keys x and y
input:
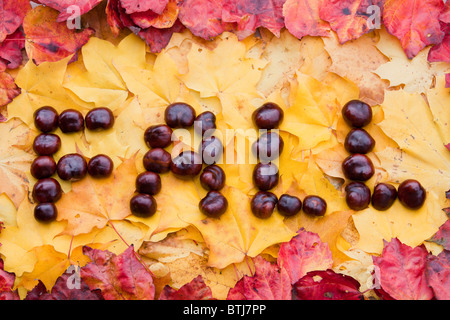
{"x": 228, "y": 57}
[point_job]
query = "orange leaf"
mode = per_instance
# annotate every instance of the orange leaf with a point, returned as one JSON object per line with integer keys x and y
{"x": 302, "y": 18}
{"x": 38, "y": 24}
{"x": 8, "y": 89}
{"x": 150, "y": 18}
{"x": 349, "y": 18}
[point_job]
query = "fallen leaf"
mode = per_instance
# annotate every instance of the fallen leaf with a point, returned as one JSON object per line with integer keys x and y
{"x": 304, "y": 253}
{"x": 350, "y": 19}
{"x": 158, "y": 39}
{"x": 250, "y": 15}
{"x": 202, "y": 17}
{"x": 409, "y": 227}
{"x": 94, "y": 202}
{"x": 269, "y": 282}
{"x": 150, "y": 18}
{"x": 119, "y": 277}
{"x": 326, "y": 285}
{"x": 70, "y": 10}
{"x": 415, "y": 23}
{"x": 359, "y": 68}
{"x": 131, "y": 6}
{"x": 7, "y": 284}
{"x": 437, "y": 274}
{"x": 400, "y": 271}
{"x": 8, "y": 88}
{"x": 11, "y": 51}
{"x": 38, "y": 24}
{"x": 194, "y": 290}
{"x": 417, "y": 75}
{"x": 12, "y": 15}
{"x": 442, "y": 236}
{"x": 406, "y": 119}
{"x": 302, "y": 18}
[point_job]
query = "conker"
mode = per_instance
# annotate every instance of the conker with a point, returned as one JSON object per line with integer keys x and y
{"x": 205, "y": 124}
{"x": 288, "y": 205}
{"x": 214, "y": 204}
{"x": 148, "y": 182}
{"x": 71, "y": 120}
{"x": 383, "y": 196}
{"x": 357, "y": 113}
{"x": 179, "y": 115}
{"x": 411, "y": 194}
{"x": 72, "y": 167}
{"x": 359, "y": 141}
{"x": 358, "y": 167}
{"x": 212, "y": 178}
{"x": 45, "y": 212}
{"x": 357, "y": 195}
{"x": 143, "y": 205}
{"x": 46, "y": 119}
{"x": 46, "y": 144}
{"x": 99, "y": 119}
{"x": 268, "y": 116}
{"x": 265, "y": 176}
{"x": 268, "y": 147}
{"x": 211, "y": 149}
{"x": 187, "y": 164}
{"x": 100, "y": 166}
{"x": 263, "y": 204}
{"x": 157, "y": 160}
{"x": 43, "y": 167}
{"x": 314, "y": 205}
{"x": 158, "y": 136}
{"x": 47, "y": 190}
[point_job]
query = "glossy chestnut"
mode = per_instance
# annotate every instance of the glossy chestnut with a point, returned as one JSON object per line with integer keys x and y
{"x": 158, "y": 136}
{"x": 148, "y": 182}
{"x": 211, "y": 149}
{"x": 288, "y": 205}
{"x": 46, "y": 119}
{"x": 314, "y": 206}
{"x": 100, "y": 166}
{"x": 47, "y": 190}
{"x": 72, "y": 167}
{"x": 45, "y": 212}
{"x": 268, "y": 116}
{"x": 46, "y": 144}
{"x": 71, "y": 120}
{"x": 143, "y": 205}
{"x": 268, "y": 146}
{"x": 157, "y": 160}
{"x": 383, "y": 196}
{"x": 359, "y": 141}
{"x": 43, "y": 167}
{"x": 205, "y": 124}
{"x": 214, "y": 204}
{"x": 358, "y": 167}
{"x": 357, "y": 195}
{"x": 179, "y": 115}
{"x": 99, "y": 119}
{"x": 212, "y": 178}
{"x": 263, "y": 204}
{"x": 265, "y": 176}
{"x": 357, "y": 113}
{"x": 187, "y": 164}
{"x": 411, "y": 194}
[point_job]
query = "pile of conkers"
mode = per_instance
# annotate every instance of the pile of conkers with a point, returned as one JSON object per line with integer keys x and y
{"x": 70, "y": 167}
{"x": 267, "y": 148}
{"x": 186, "y": 165}
{"x": 358, "y": 167}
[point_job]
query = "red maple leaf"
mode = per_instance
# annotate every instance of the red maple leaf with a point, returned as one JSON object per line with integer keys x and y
{"x": 414, "y": 22}
{"x": 157, "y": 39}
{"x": 11, "y": 16}
{"x": 132, "y": 6}
{"x": 442, "y": 236}
{"x": 350, "y": 19}
{"x": 70, "y": 9}
{"x": 301, "y": 18}
{"x": 6, "y": 284}
{"x": 202, "y": 17}
{"x": 64, "y": 288}
{"x": 119, "y": 277}
{"x": 303, "y": 253}
{"x": 268, "y": 283}
{"x": 194, "y": 290}
{"x": 438, "y": 274}
{"x": 326, "y": 285}
{"x": 11, "y": 50}
{"x": 400, "y": 271}
{"x": 250, "y": 15}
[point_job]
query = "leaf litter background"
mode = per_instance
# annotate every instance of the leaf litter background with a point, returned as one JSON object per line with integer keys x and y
{"x": 304, "y": 55}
